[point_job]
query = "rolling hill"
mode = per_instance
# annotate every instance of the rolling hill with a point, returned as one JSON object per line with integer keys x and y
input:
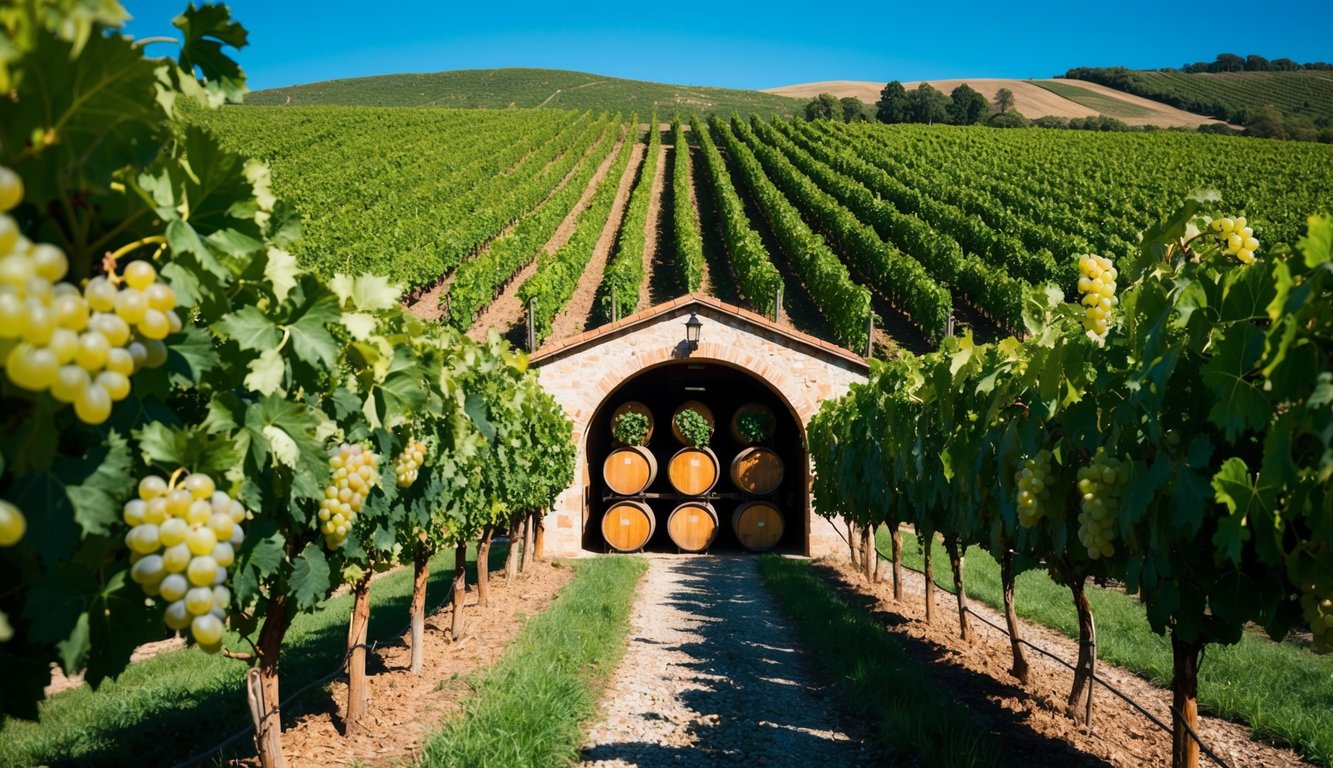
{"x": 516, "y": 88}
{"x": 1230, "y": 96}
{"x": 1033, "y": 98}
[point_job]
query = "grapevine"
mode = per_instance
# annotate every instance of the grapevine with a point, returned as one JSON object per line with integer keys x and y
{"x": 1034, "y": 488}
{"x": 182, "y": 540}
{"x": 408, "y": 464}
{"x": 1237, "y": 237}
{"x": 1100, "y": 485}
{"x": 1097, "y": 284}
{"x": 355, "y": 473}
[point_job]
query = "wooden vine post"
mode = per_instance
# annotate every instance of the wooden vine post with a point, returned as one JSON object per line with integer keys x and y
{"x": 1020, "y": 667}
{"x": 358, "y": 697}
{"x": 459, "y": 588}
{"x": 417, "y": 608}
{"x": 484, "y": 566}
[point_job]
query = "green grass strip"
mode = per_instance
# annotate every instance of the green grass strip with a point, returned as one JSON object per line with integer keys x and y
{"x": 1281, "y": 690}
{"x": 529, "y": 709}
{"x": 876, "y": 675}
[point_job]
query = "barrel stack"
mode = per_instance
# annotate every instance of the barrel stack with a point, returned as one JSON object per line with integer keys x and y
{"x": 757, "y": 471}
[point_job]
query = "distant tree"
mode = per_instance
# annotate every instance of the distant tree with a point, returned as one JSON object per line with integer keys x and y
{"x": 1284, "y": 65}
{"x": 966, "y": 106}
{"x": 1195, "y": 68}
{"x": 1256, "y": 63}
{"x": 1010, "y": 119}
{"x": 1004, "y": 100}
{"x": 892, "y": 104}
{"x": 927, "y": 105}
{"x": 854, "y": 110}
{"x": 1228, "y": 62}
{"x": 825, "y": 106}
{"x": 1266, "y": 123}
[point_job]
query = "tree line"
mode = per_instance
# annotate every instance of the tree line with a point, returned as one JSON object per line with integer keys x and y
{"x": 964, "y": 105}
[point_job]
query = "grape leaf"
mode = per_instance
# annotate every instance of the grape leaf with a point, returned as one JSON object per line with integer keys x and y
{"x": 96, "y": 483}
{"x": 311, "y": 340}
{"x": 207, "y": 29}
{"x": 52, "y": 532}
{"x": 119, "y": 620}
{"x": 1240, "y": 403}
{"x": 266, "y": 372}
{"x": 281, "y": 270}
{"x": 310, "y": 578}
{"x": 250, "y": 328}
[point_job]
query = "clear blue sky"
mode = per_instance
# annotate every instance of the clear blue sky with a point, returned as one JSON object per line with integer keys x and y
{"x": 753, "y": 46}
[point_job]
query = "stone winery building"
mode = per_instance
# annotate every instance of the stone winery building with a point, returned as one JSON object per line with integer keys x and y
{"x": 744, "y": 490}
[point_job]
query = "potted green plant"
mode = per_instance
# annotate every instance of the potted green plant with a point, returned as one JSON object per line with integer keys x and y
{"x": 754, "y": 426}
{"x": 694, "y": 428}
{"x": 630, "y": 428}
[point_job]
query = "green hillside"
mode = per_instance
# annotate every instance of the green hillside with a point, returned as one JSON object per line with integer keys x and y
{"x": 1232, "y": 96}
{"x": 509, "y": 88}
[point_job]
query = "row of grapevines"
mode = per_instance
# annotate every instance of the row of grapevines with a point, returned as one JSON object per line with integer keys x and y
{"x": 557, "y": 275}
{"x": 1178, "y": 445}
{"x": 191, "y": 417}
{"x": 992, "y": 291}
{"x": 843, "y": 303}
{"x": 684, "y": 224}
{"x": 895, "y": 275}
{"x": 756, "y": 277}
{"x": 618, "y": 294}
{"x": 478, "y": 281}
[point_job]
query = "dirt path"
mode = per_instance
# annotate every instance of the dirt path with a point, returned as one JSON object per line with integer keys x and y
{"x": 506, "y": 312}
{"x": 713, "y": 674}
{"x": 577, "y": 314}
{"x": 652, "y": 256}
{"x": 1031, "y": 716}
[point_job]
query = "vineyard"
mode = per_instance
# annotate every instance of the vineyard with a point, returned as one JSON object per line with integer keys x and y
{"x": 1230, "y": 96}
{"x": 255, "y": 360}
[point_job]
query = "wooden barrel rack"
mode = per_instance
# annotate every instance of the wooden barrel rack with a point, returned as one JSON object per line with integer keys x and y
{"x": 693, "y": 526}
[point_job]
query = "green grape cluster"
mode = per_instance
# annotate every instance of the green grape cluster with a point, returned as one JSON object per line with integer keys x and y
{"x": 1237, "y": 237}
{"x": 1101, "y": 485}
{"x": 182, "y": 541}
{"x": 1034, "y": 488}
{"x": 408, "y": 464}
{"x": 1096, "y": 282}
{"x": 81, "y": 346}
{"x": 12, "y": 524}
{"x": 355, "y": 473}
{"x": 1318, "y": 610}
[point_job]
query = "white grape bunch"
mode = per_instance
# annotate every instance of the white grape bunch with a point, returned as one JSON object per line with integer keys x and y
{"x": 81, "y": 346}
{"x": 183, "y": 539}
{"x": 1034, "y": 488}
{"x": 12, "y": 524}
{"x": 408, "y": 464}
{"x": 355, "y": 473}
{"x": 1100, "y": 485}
{"x": 1237, "y": 237}
{"x": 1096, "y": 282}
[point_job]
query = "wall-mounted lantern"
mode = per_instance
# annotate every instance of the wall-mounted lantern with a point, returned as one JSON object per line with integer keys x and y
{"x": 692, "y": 328}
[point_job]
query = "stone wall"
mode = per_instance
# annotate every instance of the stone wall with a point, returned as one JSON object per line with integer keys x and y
{"x": 583, "y": 371}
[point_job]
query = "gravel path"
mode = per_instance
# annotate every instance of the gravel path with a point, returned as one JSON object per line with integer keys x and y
{"x": 713, "y": 675}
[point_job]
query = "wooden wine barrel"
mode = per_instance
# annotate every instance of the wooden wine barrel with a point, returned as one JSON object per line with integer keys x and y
{"x": 693, "y": 526}
{"x": 693, "y": 405}
{"x": 629, "y": 470}
{"x": 758, "y": 525}
{"x": 693, "y": 471}
{"x": 757, "y": 471}
{"x": 628, "y": 525}
{"x": 755, "y": 408}
{"x": 634, "y": 406}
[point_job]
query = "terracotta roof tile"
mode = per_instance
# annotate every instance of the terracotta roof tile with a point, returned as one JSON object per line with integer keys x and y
{"x": 552, "y": 347}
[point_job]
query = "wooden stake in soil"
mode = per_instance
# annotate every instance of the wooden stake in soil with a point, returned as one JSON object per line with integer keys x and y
{"x": 484, "y": 567}
{"x": 529, "y": 540}
{"x": 460, "y": 590}
{"x": 1184, "y": 702}
{"x": 853, "y": 545}
{"x": 420, "y": 575}
{"x": 1087, "y": 648}
{"x": 268, "y": 730}
{"x": 897, "y": 563}
{"x": 1020, "y": 668}
{"x": 869, "y": 556}
{"x": 956, "y": 565}
{"x": 358, "y": 696}
{"x": 511, "y": 557}
{"x": 539, "y": 538}
{"x": 927, "y": 545}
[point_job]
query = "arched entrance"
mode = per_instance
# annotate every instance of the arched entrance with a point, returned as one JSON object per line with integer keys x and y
{"x": 723, "y": 388}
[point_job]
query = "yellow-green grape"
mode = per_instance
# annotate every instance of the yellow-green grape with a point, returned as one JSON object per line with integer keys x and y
{"x": 12, "y": 524}
{"x": 11, "y": 189}
{"x": 1100, "y": 485}
{"x": 355, "y": 473}
{"x": 1317, "y": 608}
{"x": 196, "y": 526}
{"x": 207, "y": 631}
{"x": 408, "y": 464}
{"x": 1237, "y": 237}
{"x": 1034, "y": 488}
{"x": 1096, "y": 282}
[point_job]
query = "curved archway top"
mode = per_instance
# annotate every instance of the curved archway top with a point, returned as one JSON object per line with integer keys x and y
{"x": 580, "y": 372}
